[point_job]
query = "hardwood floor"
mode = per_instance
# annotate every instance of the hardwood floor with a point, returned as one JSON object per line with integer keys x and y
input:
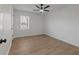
{"x": 41, "y": 45}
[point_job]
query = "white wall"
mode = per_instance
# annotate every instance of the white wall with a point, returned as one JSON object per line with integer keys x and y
{"x": 36, "y": 24}
{"x": 64, "y": 24}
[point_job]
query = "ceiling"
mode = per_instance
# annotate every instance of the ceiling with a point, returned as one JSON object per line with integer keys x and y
{"x": 30, "y": 7}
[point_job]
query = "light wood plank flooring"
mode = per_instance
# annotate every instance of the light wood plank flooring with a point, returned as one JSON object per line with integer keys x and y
{"x": 41, "y": 45}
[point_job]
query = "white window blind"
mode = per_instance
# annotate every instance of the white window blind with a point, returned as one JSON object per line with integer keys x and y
{"x": 24, "y": 22}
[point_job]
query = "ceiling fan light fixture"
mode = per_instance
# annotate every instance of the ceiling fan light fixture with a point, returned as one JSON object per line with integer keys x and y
{"x": 41, "y": 10}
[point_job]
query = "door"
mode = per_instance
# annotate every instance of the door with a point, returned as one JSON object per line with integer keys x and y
{"x": 5, "y": 28}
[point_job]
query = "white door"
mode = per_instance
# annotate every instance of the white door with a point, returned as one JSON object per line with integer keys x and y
{"x": 5, "y": 28}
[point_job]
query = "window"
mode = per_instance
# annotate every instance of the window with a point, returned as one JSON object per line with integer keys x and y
{"x": 1, "y": 21}
{"x": 24, "y": 22}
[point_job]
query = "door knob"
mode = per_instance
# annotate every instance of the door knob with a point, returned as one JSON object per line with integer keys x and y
{"x": 1, "y": 41}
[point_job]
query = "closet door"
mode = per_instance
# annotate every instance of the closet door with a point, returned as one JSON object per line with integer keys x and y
{"x": 5, "y": 29}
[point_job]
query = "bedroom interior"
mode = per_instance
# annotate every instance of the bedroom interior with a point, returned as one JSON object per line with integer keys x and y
{"x": 39, "y": 29}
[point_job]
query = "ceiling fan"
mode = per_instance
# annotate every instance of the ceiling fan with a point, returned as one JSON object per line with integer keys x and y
{"x": 42, "y": 8}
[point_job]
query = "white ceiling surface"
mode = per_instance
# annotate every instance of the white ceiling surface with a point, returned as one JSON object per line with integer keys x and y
{"x": 30, "y": 7}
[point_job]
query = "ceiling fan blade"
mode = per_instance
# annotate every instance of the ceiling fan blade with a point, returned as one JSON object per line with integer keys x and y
{"x": 46, "y": 7}
{"x": 47, "y": 10}
{"x": 35, "y": 10}
{"x": 37, "y": 6}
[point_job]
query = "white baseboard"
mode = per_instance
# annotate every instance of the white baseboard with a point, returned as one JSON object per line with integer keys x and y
{"x": 26, "y": 35}
{"x": 54, "y": 36}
